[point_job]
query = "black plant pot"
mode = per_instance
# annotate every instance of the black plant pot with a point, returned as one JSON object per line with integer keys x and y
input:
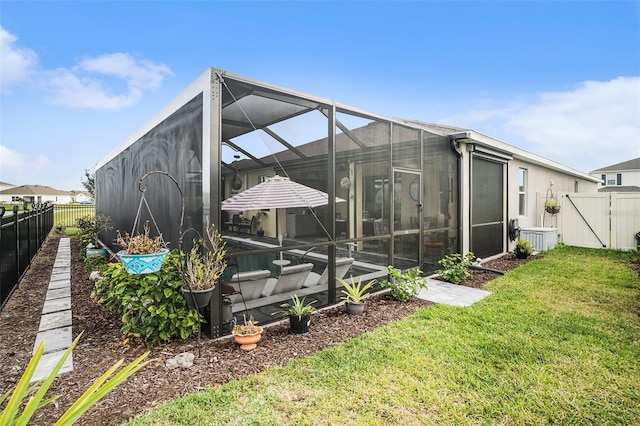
{"x": 354, "y": 308}
{"x": 260, "y": 232}
{"x": 197, "y": 299}
{"x": 299, "y": 325}
{"x": 521, "y": 254}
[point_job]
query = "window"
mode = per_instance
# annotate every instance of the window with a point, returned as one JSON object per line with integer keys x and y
{"x": 575, "y": 186}
{"x": 612, "y": 180}
{"x": 522, "y": 191}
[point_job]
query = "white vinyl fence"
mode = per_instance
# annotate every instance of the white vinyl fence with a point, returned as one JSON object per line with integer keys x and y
{"x": 598, "y": 220}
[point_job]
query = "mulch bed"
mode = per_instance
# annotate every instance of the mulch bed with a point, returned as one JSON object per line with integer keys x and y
{"x": 221, "y": 360}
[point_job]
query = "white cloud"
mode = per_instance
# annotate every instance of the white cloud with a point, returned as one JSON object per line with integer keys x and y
{"x": 79, "y": 87}
{"x": 141, "y": 74}
{"x": 594, "y": 125}
{"x": 16, "y": 64}
{"x": 109, "y": 81}
{"x": 16, "y": 166}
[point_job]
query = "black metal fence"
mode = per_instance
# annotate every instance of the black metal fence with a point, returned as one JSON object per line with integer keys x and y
{"x": 22, "y": 233}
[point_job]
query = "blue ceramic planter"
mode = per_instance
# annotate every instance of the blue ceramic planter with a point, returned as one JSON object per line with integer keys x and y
{"x": 96, "y": 252}
{"x": 142, "y": 263}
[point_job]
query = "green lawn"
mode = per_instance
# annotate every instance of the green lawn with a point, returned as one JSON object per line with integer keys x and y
{"x": 558, "y": 342}
{"x": 66, "y": 214}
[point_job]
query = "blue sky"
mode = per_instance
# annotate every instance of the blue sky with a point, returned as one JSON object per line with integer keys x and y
{"x": 560, "y": 79}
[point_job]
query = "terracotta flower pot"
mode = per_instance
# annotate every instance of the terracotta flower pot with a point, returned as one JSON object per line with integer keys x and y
{"x": 248, "y": 341}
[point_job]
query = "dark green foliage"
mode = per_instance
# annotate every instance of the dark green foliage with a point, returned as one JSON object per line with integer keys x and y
{"x": 455, "y": 267}
{"x": 96, "y": 263}
{"x": 90, "y": 227}
{"x": 152, "y": 305}
{"x": 89, "y": 182}
{"x": 404, "y": 286}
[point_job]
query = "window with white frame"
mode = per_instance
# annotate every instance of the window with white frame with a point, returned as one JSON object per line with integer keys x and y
{"x": 611, "y": 179}
{"x": 522, "y": 191}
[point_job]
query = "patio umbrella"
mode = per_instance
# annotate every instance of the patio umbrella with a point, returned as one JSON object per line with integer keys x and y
{"x": 277, "y": 193}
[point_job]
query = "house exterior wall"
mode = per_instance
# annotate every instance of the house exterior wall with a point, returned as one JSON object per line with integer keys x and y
{"x": 538, "y": 181}
{"x": 629, "y": 177}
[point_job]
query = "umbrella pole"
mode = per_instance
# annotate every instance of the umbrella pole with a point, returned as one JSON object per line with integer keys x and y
{"x": 278, "y": 231}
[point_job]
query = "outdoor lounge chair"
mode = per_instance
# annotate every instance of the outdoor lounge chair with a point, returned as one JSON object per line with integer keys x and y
{"x": 291, "y": 278}
{"x": 343, "y": 265}
{"x": 250, "y": 284}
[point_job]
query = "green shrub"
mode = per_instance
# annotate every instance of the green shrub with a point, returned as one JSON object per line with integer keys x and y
{"x": 152, "y": 305}
{"x": 455, "y": 267}
{"x": 404, "y": 286}
{"x": 96, "y": 263}
{"x": 90, "y": 227}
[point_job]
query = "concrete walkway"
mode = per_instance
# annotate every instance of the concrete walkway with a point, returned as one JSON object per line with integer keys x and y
{"x": 451, "y": 294}
{"x": 55, "y": 324}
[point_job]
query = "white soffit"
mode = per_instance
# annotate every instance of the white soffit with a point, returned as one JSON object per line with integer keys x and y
{"x": 527, "y": 156}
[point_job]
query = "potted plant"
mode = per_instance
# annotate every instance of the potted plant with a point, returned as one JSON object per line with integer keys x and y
{"x": 299, "y": 314}
{"x": 637, "y": 237}
{"x": 354, "y": 294}
{"x": 200, "y": 271}
{"x": 552, "y": 206}
{"x": 247, "y": 334}
{"x": 523, "y": 249}
{"x": 90, "y": 229}
{"x": 259, "y": 217}
{"x": 141, "y": 254}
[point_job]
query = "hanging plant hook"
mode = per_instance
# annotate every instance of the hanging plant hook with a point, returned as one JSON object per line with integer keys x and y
{"x": 144, "y": 189}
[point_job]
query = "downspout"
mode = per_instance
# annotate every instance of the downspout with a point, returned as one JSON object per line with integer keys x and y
{"x": 456, "y": 147}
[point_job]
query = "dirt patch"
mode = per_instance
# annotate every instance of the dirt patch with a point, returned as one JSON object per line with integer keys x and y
{"x": 221, "y": 360}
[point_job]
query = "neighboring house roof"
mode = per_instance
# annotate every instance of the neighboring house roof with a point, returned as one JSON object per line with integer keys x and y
{"x": 77, "y": 193}
{"x": 629, "y": 188}
{"x": 33, "y": 190}
{"x": 6, "y": 184}
{"x": 625, "y": 165}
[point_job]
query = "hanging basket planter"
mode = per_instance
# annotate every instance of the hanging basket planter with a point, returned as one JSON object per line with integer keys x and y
{"x": 552, "y": 209}
{"x": 142, "y": 263}
{"x": 197, "y": 299}
{"x": 551, "y": 204}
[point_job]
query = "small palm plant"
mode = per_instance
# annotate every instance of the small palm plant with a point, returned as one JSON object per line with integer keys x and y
{"x": 523, "y": 249}
{"x": 299, "y": 314}
{"x": 297, "y": 307}
{"x": 354, "y": 294}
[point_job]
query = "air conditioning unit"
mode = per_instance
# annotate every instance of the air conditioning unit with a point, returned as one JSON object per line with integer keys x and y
{"x": 541, "y": 239}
